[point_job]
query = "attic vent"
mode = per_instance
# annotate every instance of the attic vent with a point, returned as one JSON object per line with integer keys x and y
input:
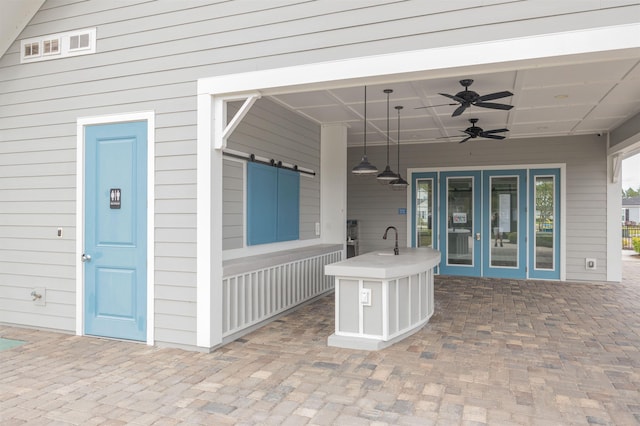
{"x": 53, "y": 46}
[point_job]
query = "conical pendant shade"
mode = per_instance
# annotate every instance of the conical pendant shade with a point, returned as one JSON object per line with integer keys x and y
{"x": 387, "y": 175}
{"x": 364, "y": 167}
{"x": 399, "y": 183}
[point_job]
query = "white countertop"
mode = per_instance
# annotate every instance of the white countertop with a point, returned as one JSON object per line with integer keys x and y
{"x": 386, "y": 265}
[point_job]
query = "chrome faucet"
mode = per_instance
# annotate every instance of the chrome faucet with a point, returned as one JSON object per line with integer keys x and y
{"x": 396, "y": 251}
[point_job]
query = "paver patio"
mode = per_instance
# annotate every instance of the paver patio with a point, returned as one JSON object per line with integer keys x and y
{"x": 496, "y": 352}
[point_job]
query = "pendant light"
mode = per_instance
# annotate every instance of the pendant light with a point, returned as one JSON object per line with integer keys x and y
{"x": 365, "y": 168}
{"x": 399, "y": 183}
{"x": 387, "y": 175}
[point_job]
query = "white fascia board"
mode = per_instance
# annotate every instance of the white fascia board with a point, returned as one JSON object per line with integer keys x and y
{"x": 401, "y": 65}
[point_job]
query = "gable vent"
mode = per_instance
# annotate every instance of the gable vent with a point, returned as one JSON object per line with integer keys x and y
{"x": 54, "y": 46}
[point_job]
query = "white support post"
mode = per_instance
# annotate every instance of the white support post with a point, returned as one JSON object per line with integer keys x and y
{"x": 333, "y": 184}
{"x": 614, "y": 207}
{"x": 203, "y": 223}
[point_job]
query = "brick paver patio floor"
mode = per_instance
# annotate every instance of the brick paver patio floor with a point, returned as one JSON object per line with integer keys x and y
{"x": 496, "y": 352}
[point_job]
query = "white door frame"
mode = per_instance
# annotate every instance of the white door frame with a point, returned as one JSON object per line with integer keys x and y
{"x": 82, "y": 122}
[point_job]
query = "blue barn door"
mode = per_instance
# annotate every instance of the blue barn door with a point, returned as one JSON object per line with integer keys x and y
{"x": 115, "y": 230}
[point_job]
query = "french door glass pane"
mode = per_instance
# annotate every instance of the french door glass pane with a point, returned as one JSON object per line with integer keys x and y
{"x": 460, "y": 221}
{"x": 544, "y": 241}
{"x": 424, "y": 213}
{"x": 504, "y": 221}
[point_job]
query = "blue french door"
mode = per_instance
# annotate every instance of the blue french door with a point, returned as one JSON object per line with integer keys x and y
{"x": 460, "y": 225}
{"x": 504, "y": 223}
{"x": 115, "y": 230}
{"x": 477, "y": 219}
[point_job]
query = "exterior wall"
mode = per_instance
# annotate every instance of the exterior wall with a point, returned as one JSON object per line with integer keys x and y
{"x": 376, "y": 207}
{"x": 271, "y": 131}
{"x": 151, "y": 61}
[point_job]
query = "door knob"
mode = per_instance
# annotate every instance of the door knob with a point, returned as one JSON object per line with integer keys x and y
{"x": 478, "y": 236}
{"x": 86, "y": 257}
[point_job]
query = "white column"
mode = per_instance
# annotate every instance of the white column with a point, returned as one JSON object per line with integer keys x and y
{"x": 203, "y": 223}
{"x": 333, "y": 184}
{"x": 614, "y": 207}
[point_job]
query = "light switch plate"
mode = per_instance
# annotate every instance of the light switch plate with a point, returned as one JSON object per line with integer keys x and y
{"x": 365, "y": 297}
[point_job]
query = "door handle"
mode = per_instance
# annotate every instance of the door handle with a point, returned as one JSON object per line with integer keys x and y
{"x": 85, "y": 257}
{"x": 477, "y": 236}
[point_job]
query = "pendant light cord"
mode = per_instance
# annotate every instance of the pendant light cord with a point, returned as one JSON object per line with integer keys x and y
{"x": 365, "y": 120}
{"x": 388, "y": 91}
{"x": 398, "y": 142}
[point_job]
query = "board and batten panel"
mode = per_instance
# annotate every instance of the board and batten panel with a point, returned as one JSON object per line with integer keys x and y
{"x": 273, "y": 132}
{"x": 376, "y": 207}
{"x": 151, "y": 61}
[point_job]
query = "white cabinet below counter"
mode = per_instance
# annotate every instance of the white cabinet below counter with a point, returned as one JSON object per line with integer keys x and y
{"x": 381, "y": 298}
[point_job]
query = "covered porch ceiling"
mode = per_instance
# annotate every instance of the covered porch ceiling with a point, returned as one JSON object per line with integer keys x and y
{"x": 552, "y": 97}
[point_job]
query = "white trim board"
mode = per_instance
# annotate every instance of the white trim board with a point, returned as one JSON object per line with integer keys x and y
{"x": 620, "y": 41}
{"x": 149, "y": 117}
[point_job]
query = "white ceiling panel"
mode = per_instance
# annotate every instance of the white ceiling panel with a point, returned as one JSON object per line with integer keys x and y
{"x": 572, "y": 98}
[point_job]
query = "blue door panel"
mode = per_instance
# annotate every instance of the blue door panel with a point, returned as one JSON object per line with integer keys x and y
{"x": 116, "y": 230}
{"x": 262, "y": 203}
{"x": 549, "y": 230}
{"x": 517, "y": 249}
{"x": 416, "y": 177}
{"x": 288, "y": 205}
{"x": 451, "y": 234}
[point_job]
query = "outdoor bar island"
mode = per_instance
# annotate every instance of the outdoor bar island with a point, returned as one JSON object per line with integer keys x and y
{"x": 381, "y": 298}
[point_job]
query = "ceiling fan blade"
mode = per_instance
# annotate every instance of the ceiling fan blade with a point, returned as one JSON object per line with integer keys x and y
{"x": 465, "y": 139}
{"x": 455, "y": 98}
{"x": 492, "y": 96}
{"x": 489, "y": 136}
{"x": 497, "y": 131}
{"x": 468, "y": 132}
{"x": 493, "y": 105}
{"x": 459, "y": 110}
{"x": 434, "y": 106}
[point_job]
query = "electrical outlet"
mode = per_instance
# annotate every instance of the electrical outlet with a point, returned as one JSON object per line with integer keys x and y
{"x": 590, "y": 263}
{"x": 39, "y": 296}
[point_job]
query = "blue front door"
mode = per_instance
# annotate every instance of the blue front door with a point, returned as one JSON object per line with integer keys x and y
{"x": 115, "y": 230}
